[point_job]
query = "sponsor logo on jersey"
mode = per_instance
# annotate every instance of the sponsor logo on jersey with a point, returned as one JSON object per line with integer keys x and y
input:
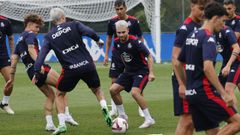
{"x": 80, "y": 64}
{"x": 190, "y": 67}
{"x": 28, "y": 66}
{"x": 60, "y": 32}
{"x": 72, "y": 48}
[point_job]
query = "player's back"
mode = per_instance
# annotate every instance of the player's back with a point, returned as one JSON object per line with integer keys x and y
{"x": 197, "y": 48}
{"x": 66, "y": 41}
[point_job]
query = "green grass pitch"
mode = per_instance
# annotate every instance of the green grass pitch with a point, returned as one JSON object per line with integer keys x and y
{"x": 27, "y": 102}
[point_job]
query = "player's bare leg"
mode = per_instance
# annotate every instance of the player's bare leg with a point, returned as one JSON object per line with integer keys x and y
{"x": 230, "y": 87}
{"x": 59, "y": 100}
{"x": 115, "y": 90}
{"x": 101, "y": 99}
{"x": 5, "y": 71}
{"x": 136, "y": 94}
{"x": 48, "y": 106}
{"x": 113, "y": 111}
{"x": 233, "y": 126}
{"x": 52, "y": 79}
{"x": 185, "y": 125}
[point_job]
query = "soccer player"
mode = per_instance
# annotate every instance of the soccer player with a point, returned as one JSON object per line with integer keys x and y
{"x": 116, "y": 67}
{"x": 6, "y": 30}
{"x": 27, "y": 49}
{"x": 209, "y": 103}
{"x": 138, "y": 71}
{"x": 193, "y": 22}
{"x": 233, "y": 19}
{"x": 65, "y": 39}
{"x": 228, "y": 47}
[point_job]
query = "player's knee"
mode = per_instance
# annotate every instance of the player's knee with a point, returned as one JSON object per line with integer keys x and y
{"x": 186, "y": 122}
{"x": 113, "y": 91}
{"x": 135, "y": 92}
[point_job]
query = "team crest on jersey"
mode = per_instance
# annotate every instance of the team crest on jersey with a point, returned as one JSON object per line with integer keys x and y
{"x": 118, "y": 45}
{"x": 129, "y": 46}
{"x": 183, "y": 27}
{"x": 2, "y": 24}
{"x": 126, "y": 57}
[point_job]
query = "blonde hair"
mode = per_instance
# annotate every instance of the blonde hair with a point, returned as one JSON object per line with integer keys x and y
{"x": 56, "y": 14}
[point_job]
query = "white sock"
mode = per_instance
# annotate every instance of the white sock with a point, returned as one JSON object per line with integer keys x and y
{"x": 103, "y": 103}
{"x": 147, "y": 115}
{"x": 5, "y": 99}
{"x": 49, "y": 119}
{"x": 61, "y": 119}
{"x": 114, "y": 108}
{"x": 120, "y": 109}
{"x": 67, "y": 110}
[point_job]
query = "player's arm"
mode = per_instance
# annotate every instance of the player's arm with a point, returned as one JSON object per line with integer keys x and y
{"x": 14, "y": 61}
{"x": 151, "y": 76}
{"x": 209, "y": 55}
{"x": 108, "y": 45}
{"x": 32, "y": 52}
{"x": 11, "y": 43}
{"x": 42, "y": 55}
{"x": 235, "y": 53}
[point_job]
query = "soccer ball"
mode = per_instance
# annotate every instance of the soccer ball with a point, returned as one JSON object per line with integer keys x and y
{"x": 120, "y": 125}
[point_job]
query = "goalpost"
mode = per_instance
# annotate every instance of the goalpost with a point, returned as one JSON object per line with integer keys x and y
{"x": 85, "y": 10}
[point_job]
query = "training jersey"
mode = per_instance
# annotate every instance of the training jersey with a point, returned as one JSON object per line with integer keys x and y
{"x": 66, "y": 41}
{"x": 225, "y": 39}
{"x": 133, "y": 54}
{"x": 26, "y": 38}
{"x": 5, "y": 30}
{"x": 200, "y": 46}
{"x": 184, "y": 30}
{"x": 234, "y": 23}
{"x": 133, "y": 25}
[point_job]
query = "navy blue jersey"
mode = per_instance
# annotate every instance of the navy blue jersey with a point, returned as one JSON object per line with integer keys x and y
{"x": 133, "y": 25}
{"x": 66, "y": 41}
{"x": 234, "y": 23}
{"x": 200, "y": 46}
{"x": 184, "y": 30}
{"x": 26, "y": 38}
{"x": 5, "y": 30}
{"x": 225, "y": 39}
{"x": 133, "y": 54}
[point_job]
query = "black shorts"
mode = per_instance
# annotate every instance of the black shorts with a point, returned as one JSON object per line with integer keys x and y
{"x": 180, "y": 105}
{"x": 5, "y": 61}
{"x": 42, "y": 77}
{"x": 116, "y": 67}
{"x": 234, "y": 75}
{"x": 209, "y": 110}
{"x": 69, "y": 79}
{"x": 129, "y": 80}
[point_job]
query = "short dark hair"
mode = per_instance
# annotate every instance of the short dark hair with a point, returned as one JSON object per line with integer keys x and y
{"x": 35, "y": 18}
{"x": 214, "y": 9}
{"x": 201, "y": 2}
{"x": 119, "y": 3}
{"x": 227, "y": 2}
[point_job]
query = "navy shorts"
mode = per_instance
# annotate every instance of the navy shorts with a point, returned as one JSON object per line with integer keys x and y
{"x": 129, "y": 80}
{"x": 180, "y": 105}
{"x": 69, "y": 79}
{"x": 4, "y": 61}
{"x": 208, "y": 110}
{"x": 234, "y": 75}
{"x": 42, "y": 77}
{"x": 116, "y": 67}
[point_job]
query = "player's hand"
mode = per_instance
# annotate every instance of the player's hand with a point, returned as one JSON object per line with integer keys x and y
{"x": 105, "y": 62}
{"x": 36, "y": 77}
{"x": 228, "y": 99}
{"x": 181, "y": 91}
{"x": 9, "y": 84}
{"x": 100, "y": 43}
{"x": 225, "y": 70}
{"x": 151, "y": 77}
